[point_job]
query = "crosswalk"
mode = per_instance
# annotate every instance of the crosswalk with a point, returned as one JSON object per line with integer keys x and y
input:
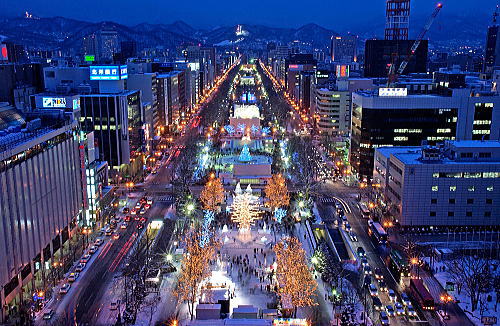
{"x": 327, "y": 200}
{"x": 170, "y": 199}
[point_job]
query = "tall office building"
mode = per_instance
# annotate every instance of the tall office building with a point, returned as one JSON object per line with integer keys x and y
{"x": 41, "y": 187}
{"x": 298, "y": 68}
{"x": 344, "y": 48}
{"x": 128, "y": 49}
{"x": 102, "y": 44}
{"x": 391, "y": 117}
{"x": 492, "y": 50}
{"x": 397, "y": 19}
{"x": 455, "y": 184}
{"x": 332, "y": 109}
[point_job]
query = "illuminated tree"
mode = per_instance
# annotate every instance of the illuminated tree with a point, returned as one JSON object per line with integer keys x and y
{"x": 212, "y": 194}
{"x": 195, "y": 267}
{"x": 296, "y": 284}
{"x": 276, "y": 192}
{"x": 244, "y": 210}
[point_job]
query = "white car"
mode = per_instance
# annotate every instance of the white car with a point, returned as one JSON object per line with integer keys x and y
{"x": 373, "y": 290}
{"x": 392, "y": 295}
{"x": 93, "y": 249}
{"x": 85, "y": 258}
{"x": 353, "y": 236}
{"x": 80, "y": 267}
{"x": 98, "y": 242}
{"x": 65, "y": 288}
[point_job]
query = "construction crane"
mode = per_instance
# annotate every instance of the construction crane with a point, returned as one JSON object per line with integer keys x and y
{"x": 393, "y": 76}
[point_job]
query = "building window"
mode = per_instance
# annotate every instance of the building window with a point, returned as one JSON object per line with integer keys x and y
{"x": 453, "y": 188}
{"x": 432, "y": 214}
{"x": 471, "y": 188}
{"x": 451, "y": 214}
{"x": 434, "y": 201}
{"x": 468, "y": 214}
{"x": 435, "y": 175}
{"x": 489, "y": 201}
{"x": 487, "y": 214}
{"x": 434, "y": 188}
{"x": 489, "y": 188}
{"x": 470, "y": 201}
{"x": 451, "y": 201}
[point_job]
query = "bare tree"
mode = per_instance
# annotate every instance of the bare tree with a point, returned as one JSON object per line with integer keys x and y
{"x": 473, "y": 273}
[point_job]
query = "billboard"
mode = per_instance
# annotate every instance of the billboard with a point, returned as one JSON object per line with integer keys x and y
{"x": 342, "y": 71}
{"x": 108, "y": 72}
{"x": 391, "y": 91}
{"x": 89, "y": 58}
{"x": 54, "y": 102}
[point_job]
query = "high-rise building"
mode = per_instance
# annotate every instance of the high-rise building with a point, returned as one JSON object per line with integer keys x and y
{"x": 332, "y": 109}
{"x": 295, "y": 66}
{"x": 492, "y": 50}
{"x": 19, "y": 81}
{"x": 344, "y": 48}
{"x": 380, "y": 54}
{"x": 41, "y": 201}
{"x": 102, "y": 44}
{"x": 128, "y": 49}
{"x": 397, "y": 15}
{"x": 454, "y": 184}
{"x": 392, "y": 117}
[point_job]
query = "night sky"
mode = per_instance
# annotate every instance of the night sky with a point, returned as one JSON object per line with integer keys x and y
{"x": 334, "y": 14}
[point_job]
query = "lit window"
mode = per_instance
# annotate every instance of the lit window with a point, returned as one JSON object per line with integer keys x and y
{"x": 453, "y": 188}
{"x": 471, "y": 188}
{"x": 434, "y": 188}
{"x": 489, "y": 188}
{"x": 435, "y": 175}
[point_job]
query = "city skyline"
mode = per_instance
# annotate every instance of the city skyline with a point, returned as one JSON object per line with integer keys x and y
{"x": 275, "y": 14}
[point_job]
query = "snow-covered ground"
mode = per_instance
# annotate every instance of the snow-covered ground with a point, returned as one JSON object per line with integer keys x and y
{"x": 463, "y": 300}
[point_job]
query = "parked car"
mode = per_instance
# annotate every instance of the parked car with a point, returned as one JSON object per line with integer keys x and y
{"x": 378, "y": 274}
{"x": 85, "y": 258}
{"x": 364, "y": 262}
{"x": 382, "y": 286}
{"x": 384, "y": 319}
{"x": 49, "y": 314}
{"x": 392, "y": 295}
{"x": 399, "y": 308}
{"x": 373, "y": 290}
{"x": 410, "y": 311}
{"x": 353, "y": 236}
{"x": 73, "y": 276}
{"x": 80, "y": 267}
{"x": 93, "y": 249}
{"x": 377, "y": 304}
{"x": 390, "y": 310}
{"x": 65, "y": 288}
{"x": 367, "y": 270}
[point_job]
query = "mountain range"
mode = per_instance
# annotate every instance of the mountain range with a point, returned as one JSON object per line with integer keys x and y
{"x": 65, "y": 33}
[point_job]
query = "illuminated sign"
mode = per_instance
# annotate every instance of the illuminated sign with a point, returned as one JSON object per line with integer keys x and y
{"x": 290, "y": 322}
{"x": 108, "y": 72}
{"x": 54, "y": 102}
{"x": 342, "y": 71}
{"x": 3, "y": 52}
{"x": 390, "y": 91}
{"x": 295, "y": 67}
{"x": 89, "y": 58}
{"x": 76, "y": 104}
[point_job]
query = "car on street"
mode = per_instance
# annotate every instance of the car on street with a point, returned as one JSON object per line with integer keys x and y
{"x": 80, "y": 267}
{"x": 361, "y": 252}
{"x": 127, "y": 218}
{"x": 109, "y": 231}
{"x": 124, "y": 225}
{"x": 399, "y": 308}
{"x": 382, "y": 286}
{"x": 85, "y": 258}
{"x": 142, "y": 211}
{"x": 65, "y": 288}
{"x": 347, "y": 227}
{"x": 154, "y": 171}
{"x": 49, "y": 314}
{"x": 73, "y": 276}
{"x": 373, "y": 290}
{"x": 384, "y": 319}
{"x": 392, "y": 295}
{"x": 405, "y": 299}
{"x": 125, "y": 210}
{"x": 138, "y": 205}
{"x": 116, "y": 235}
{"x": 390, "y": 310}
{"x": 137, "y": 218}
{"x": 377, "y": 304}
{"x": 143, "y": 219}
{"x": 378, "y": 274}
{"x": 98, "y": 242}
{"x": 410, "y": 311}
{"x": 133, "y": 212}
{"x": 367, "y": 281}
{"x": 364, "y": 262}
{"x": 150, "y": 201}
{"x": 140, "y": 226}
{"x": 353, "y": 236}
{"x": 147, "y": 206}
{"x": 93, "y": 249}
{"x": 367, "y": 270}
{"x": 112, "y": 225}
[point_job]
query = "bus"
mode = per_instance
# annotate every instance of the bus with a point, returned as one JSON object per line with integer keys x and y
{"x": 421, "y": 294}
{"x": 364, "y": 210}
{"x": 398, "y": 265}
{"x": 377, "y": 232}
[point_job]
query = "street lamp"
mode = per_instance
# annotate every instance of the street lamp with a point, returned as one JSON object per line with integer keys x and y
{"x": 445, "y": 298}
{"x": 415, "y": 262}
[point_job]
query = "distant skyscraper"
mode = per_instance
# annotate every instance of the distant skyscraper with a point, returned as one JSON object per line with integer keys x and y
{"x": 344, "y": 48}
{"x": 102, "y": 44}
{"x": 397, "y": 14}
{"x": 128, "y": 49}
{"x": 491, "y": 57}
